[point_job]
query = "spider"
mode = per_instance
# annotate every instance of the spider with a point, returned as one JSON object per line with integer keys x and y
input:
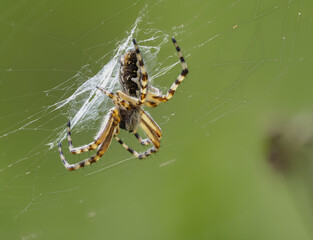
{"x": 128, "y": 113}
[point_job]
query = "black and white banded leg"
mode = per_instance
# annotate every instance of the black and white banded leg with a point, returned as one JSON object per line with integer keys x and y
{"x": 136, "y": 154}
{"x": 142, "y": 141}
{"x": 178, "y": 81}
{"x": 88, "y": 147}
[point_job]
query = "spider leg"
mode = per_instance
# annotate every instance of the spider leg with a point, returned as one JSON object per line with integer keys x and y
{"x": 180, "y": 78}
{"x": 144, "y": 142}
{"x": 152, "y": 130}
{"x": 150, "y": 98}
{"x": 134, "y": 101}
{"x": 144, "y": 76}
{"x": 108, "y": 132}
{"x": 88, "y": 147}
{"x": 136, "y": 154}
{"x": 116, "y": 98}
{"x": 123, "y": 100}
{"x": 151, "y": 104}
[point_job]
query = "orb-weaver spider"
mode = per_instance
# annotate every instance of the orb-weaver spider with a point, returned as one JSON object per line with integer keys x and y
{"x": 128, "y": 113}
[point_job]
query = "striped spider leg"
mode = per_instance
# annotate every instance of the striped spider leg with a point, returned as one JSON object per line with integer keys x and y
{"x": 142, "y": 141}
{"x": 155, "y": 96}
{"x": 105, "y": 137}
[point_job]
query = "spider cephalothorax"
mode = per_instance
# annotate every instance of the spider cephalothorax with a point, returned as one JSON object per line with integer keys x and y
{"x": 128, "y": 113}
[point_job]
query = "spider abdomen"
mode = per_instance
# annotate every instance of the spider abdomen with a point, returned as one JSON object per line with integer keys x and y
{"x": 130, "y": 118}
{"x": 130, "y": 74}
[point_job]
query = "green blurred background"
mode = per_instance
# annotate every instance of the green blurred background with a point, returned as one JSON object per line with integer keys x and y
{"x": 236, "y": 154}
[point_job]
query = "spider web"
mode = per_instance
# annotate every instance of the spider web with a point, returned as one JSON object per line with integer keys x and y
{"x": 31, "y": 179}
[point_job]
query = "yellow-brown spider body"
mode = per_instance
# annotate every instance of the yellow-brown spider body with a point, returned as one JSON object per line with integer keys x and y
{"x": 128, "y": 113}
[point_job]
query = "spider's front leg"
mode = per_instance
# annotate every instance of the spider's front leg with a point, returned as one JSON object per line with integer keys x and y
{"x": 109, "y": 129}
{"x": 117, "y": 99}
{"x": 88, "y": 147}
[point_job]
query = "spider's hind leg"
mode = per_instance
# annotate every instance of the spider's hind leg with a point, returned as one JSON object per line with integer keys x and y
{"x": 178, "y": 81}
{"x": 144, "y": 77}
